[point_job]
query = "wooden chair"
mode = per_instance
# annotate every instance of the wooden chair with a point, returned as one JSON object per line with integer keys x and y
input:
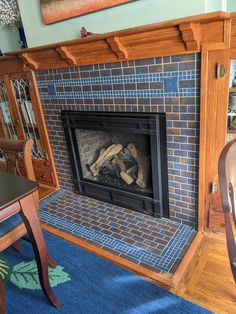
{"x": 2, "y": 298}
{"x": 17, "y": 155}
{"x": 227, "y": 180}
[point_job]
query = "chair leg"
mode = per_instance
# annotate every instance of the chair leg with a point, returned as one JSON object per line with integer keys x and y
{"x": 233, "y": 270}
{"x": 17, "y": 246}
{"x": 2, "y": 298}
{"x": 31, "y": 221}
{"x": 51, "y": 261}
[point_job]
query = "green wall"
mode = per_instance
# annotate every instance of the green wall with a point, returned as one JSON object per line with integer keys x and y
{"x": 9, "y": 40}
{"x": 129, "y": 15}
{"x": 231, "y": 5}
{"x": 125, "y": 16}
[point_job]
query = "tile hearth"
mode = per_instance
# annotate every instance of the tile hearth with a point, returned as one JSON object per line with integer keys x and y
{"x": 158, "y": 244}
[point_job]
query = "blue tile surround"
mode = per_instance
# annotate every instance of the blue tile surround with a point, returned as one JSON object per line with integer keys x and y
{"x": 164, "y": 84}
{"x": 142, "y": 250}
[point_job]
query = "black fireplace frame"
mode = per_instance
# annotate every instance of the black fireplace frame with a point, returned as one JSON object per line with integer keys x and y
{"x": 152, "y": 124}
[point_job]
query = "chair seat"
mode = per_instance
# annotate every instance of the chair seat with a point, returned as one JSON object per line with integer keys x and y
{"x": 9, "y": 224}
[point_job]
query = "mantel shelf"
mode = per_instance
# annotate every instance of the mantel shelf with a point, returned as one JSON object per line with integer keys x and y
{"x": 166, "y": 38}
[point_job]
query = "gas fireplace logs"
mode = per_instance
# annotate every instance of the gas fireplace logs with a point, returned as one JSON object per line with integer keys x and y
{"x": 127, "y": 163}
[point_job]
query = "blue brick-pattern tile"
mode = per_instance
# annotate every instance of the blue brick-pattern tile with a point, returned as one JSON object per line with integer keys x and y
{"x": 165, "y": 84}
{"x": 171, "y": 238}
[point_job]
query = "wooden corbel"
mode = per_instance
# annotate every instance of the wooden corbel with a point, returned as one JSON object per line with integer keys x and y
{"x": 65, "y": 54}
{"x": 191, "y": 35}
{"x": 117, "y": 47}
{"x": 28, "y": 61}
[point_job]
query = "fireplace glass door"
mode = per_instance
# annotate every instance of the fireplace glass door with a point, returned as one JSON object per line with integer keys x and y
{"x": 116, "y": 159}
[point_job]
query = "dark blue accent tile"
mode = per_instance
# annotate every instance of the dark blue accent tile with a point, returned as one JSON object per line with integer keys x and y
{"x": 51, "y": 89}
{"x": 170, "y": 84}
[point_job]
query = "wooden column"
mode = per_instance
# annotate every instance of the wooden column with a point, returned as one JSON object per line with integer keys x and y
{"x": 213, "y": 124}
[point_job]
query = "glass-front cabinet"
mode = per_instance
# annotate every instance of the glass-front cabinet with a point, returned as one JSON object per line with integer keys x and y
{"x": 21, "y": 118}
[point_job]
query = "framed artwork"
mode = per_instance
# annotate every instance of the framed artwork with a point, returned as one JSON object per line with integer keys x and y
{"x": 58, "y": 10}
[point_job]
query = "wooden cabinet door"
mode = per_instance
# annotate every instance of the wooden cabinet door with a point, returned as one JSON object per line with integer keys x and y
{"x": 21, "y": 118}
{"x": 8, "y": 117}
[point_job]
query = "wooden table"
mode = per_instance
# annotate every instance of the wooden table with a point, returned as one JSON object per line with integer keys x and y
{"x": 16, "y": 196}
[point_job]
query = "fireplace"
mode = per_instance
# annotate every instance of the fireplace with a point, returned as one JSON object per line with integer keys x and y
{"x": 120, "y": 158}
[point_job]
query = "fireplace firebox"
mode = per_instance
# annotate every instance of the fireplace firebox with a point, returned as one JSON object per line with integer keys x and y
{"x": 120, "y": 158}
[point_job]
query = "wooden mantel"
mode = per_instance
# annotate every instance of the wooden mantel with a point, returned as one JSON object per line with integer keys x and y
{"x": 166, "y": 38}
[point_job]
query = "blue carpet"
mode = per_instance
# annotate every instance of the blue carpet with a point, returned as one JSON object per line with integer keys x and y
{"x": 96, "y": 286}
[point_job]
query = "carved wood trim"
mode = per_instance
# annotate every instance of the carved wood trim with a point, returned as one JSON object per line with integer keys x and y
{"x": 165, "y": 38}
{"x": 28, "y": 61}
{"x": 65, "y": 54}
{"x": 117, "y": 47}
{"x": 191, "y": 35}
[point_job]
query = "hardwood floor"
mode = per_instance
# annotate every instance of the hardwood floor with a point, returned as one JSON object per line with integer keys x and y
{"x": 208, "y": 281}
